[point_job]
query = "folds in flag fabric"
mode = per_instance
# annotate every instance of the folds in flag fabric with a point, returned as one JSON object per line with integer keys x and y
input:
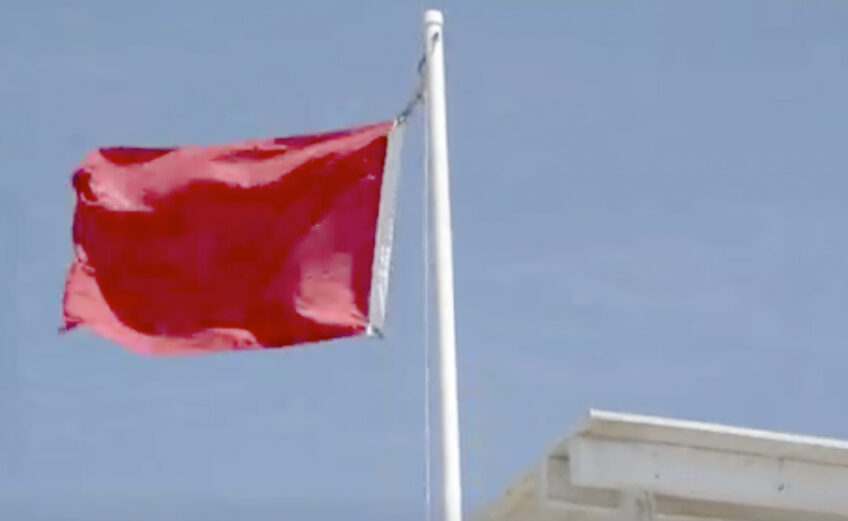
{"x": 265, "y": 243}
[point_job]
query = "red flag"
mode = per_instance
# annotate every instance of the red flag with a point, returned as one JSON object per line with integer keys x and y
{"x": 265, "y": 243}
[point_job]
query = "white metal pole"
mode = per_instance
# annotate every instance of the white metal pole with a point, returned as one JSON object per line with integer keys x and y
{"x": 438, "y": 170}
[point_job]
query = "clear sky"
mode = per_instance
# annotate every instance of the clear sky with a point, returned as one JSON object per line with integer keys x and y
{"x": 649, "y": 210}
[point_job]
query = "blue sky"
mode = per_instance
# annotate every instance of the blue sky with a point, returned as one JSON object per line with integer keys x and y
{"x": 649, "y": 217}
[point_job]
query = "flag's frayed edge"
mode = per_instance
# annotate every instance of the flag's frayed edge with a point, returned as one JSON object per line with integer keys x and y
{"x": 377, "y": 301}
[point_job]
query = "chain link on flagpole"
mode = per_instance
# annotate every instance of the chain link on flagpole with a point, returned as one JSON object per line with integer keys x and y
{"x": 417, "y": 96}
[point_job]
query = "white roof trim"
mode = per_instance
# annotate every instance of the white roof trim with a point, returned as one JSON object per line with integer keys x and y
{"x": 604, "y": 424}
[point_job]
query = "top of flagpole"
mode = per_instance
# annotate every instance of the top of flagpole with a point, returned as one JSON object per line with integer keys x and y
{"x": 434, "y": 17}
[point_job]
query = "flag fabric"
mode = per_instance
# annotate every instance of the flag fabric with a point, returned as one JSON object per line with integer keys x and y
{"x": 259, "y": 244}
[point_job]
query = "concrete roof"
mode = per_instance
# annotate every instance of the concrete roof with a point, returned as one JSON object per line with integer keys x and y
{"x": 617, "y": 467}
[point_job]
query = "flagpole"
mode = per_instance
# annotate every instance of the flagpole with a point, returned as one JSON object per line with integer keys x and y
{"x": 434, "y": 96}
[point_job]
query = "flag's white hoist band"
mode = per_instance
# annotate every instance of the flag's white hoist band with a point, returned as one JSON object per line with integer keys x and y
{"x": 378, "y": 297}
{"x": 381, "y": 265}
